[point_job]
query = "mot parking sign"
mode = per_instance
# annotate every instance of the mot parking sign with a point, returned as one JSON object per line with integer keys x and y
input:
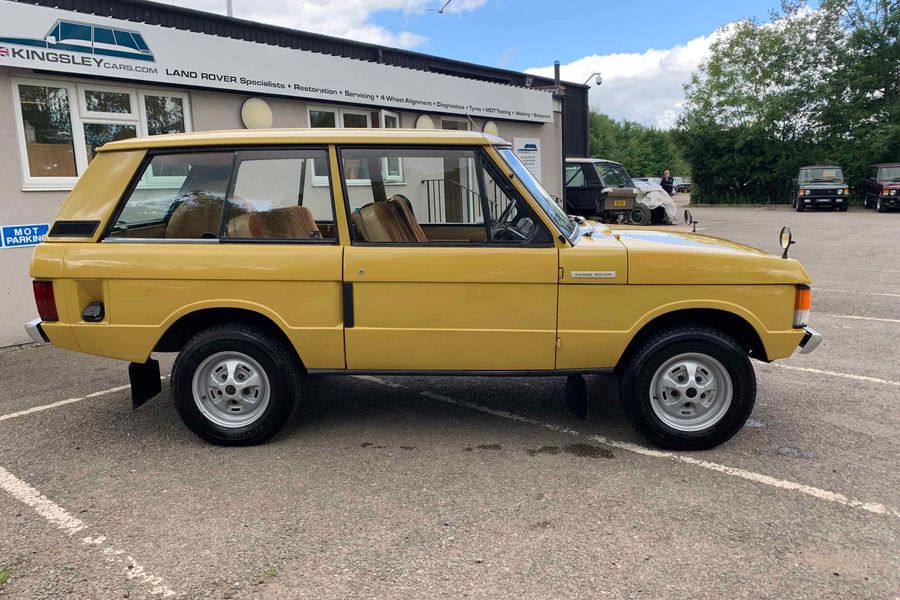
{"x": 16, "y": 236}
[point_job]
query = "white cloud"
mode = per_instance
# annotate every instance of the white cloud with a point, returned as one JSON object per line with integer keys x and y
{"x": 342, "y": 18}
{"x": 645, "y": 87}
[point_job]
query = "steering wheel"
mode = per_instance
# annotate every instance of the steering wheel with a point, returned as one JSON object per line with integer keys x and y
{"x": 498, "y": 227}
{"x": 507, "y": 212}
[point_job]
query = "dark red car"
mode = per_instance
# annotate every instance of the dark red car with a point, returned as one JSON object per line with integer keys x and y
{"x": 881, "y": 189}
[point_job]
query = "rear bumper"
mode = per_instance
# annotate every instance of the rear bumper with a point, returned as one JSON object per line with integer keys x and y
{"x": 37, "y": 335}
{"x": 810, "y": 341}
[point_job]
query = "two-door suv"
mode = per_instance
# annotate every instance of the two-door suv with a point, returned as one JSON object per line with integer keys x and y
{"x": 821, "y": 186}
{"x": 261, "y": 257}
{"x": 881, "y": 189}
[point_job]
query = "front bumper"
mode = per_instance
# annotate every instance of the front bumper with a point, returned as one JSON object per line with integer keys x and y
{"x": 823, "y": 200}
{"x": 810, "y": 341}
{"x": 37, "y": 335}
{"x": 890, "y": 201}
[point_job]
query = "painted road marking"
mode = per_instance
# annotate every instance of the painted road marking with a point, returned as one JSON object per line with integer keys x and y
{"x": 35, "y": 409}
{"x": 57, "y": 515}
{"x": 833, "y": 374}
{"x": 818, "y": 289}
{"x": 818, "y": 493}
{"x": 865, "y": 318}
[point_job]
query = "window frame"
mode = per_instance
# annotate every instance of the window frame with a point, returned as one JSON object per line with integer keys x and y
{"x": 79, "y": 116}
{"x": 234, "y": 150}
{"x": 339, "y": 112}
{"x": 36, "y": 183}
{"x": 482, "y": 161}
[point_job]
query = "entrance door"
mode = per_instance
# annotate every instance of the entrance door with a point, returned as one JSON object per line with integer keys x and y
{"x": 445, "y": 296}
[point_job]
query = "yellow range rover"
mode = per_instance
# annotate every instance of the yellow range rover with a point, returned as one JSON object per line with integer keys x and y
{"x": 261, "y": 257}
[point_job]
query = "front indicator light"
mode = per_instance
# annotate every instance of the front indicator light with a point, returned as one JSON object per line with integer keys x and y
{"x": 846, "y": 191}
{"x": 802, "y": 302}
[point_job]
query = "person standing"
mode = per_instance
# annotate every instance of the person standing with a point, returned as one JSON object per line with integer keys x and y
{"x": 668, "y": 183}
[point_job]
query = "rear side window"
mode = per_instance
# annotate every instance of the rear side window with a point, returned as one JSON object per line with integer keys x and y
{"x": 244, "y": 195}
{"x": 272, "y": 197}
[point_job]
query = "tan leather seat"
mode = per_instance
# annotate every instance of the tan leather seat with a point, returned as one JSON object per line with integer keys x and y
{"x": 197, "y": 217}
{"x": 290, "y": 223}
{"x": 388, "y": 221}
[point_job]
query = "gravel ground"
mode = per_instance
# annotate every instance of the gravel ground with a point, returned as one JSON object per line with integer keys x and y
{"x": 421, "y": 487}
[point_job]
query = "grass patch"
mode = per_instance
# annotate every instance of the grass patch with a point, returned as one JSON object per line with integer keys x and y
{"x": 4, "y": 577}
{"x": 270, "y": 572}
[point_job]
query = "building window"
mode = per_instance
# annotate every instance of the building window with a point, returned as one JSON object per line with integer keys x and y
{"x": 61, "y": 124}
{"x": 353, "y": 118}
{"x": 45, "y": 132}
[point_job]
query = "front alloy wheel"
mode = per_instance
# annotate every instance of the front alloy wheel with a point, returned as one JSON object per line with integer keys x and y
{"x": 688, "y": 388}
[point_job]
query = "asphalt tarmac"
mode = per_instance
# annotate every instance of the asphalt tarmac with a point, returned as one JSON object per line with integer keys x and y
{"x": 424, "y": 487}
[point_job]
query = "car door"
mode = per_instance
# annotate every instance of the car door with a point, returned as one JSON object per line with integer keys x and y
{"x": 426, "y": 293}
{"x": 582, "y": 191}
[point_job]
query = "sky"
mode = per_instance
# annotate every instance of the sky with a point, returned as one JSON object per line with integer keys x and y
{"x": 644, "y": 49}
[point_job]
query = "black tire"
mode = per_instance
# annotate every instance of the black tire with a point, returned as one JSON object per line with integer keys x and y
{"x": 880, "y": 207}
{"x": 271, "y": 354}
{"x": 639, "y": 215}
{"x": 637, "y": 376}
{"x": 800, "y": 207}
{"x": 843, "y": 207}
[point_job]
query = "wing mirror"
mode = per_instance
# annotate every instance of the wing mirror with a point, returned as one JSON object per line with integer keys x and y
{"x": 689, "y": 220}
{"x": 786, "y": 239}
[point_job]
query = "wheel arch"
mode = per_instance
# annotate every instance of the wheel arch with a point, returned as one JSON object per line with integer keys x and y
{"x": 182, "y": 327}
{"x": 731, "y": 323}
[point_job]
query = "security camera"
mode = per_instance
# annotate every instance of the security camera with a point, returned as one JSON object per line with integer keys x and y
{"x": 598, "y": 80}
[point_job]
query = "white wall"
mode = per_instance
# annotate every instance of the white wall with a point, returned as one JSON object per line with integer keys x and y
{"x": 209, "y": 110}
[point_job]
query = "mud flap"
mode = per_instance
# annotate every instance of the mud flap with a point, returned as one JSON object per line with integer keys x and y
{"x": 145, "y": 381}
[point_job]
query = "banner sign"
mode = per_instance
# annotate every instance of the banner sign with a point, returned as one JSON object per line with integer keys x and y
{"x": 16, "y": 236}
{"x": 49, "y": 39}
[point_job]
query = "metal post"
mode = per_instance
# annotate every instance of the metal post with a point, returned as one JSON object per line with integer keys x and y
{"x": 228, "y": 10}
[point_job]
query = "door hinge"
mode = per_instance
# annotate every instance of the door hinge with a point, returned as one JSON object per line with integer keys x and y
{"x": 561, "y": 272}
{"x": 558, "y": 343}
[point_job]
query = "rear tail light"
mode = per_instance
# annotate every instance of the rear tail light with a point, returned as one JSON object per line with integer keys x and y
{"x": 802, "y": 302}
{"x": 45, "y": 300}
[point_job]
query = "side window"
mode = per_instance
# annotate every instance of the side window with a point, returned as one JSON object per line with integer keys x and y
{"x": 442, "y": 198}
{"x": 272, "y": 197}
{"x": 186, "y": 205}
{"x": 574, "y": 176}
{"x": 510, "y": 219}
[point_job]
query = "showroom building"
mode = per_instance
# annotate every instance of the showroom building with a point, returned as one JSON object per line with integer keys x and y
{"x": 76, "y": 74}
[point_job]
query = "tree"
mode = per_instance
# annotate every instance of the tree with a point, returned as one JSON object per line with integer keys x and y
{"x": 810, "y": 86}
{"x": 645, "y": 151}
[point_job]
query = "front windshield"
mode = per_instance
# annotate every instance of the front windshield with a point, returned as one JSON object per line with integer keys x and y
{"x": 613, "y": 175}
{"x": 548, "y": 204}
{"x": 821, "y": 174}
{"x": 889, "y": 174}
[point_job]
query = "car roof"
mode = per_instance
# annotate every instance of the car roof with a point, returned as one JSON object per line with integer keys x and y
{"x": 591, "y": 161}
{"x": 821, "y": 167}
{"x": 307, "y": 136}
{"x": 887, "y": 165}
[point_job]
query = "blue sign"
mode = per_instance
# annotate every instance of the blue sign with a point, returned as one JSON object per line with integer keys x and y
{"x": 15, "y": 236}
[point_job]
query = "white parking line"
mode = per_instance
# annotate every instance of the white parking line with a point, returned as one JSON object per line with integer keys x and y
{"x": 35, "y": 409}
{"x": 833, "y": 374}
{"x": 866, "y": 318}
{"x": 818, "y": 289}
{"x": 818, "y": 493}
{"x": 58, "y": 516}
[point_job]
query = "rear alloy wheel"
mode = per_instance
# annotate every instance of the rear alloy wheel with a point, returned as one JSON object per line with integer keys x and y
{"x": 235, "y": 385}
{"x": 639, "y": 215}
{"x": 689, "y": 388}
